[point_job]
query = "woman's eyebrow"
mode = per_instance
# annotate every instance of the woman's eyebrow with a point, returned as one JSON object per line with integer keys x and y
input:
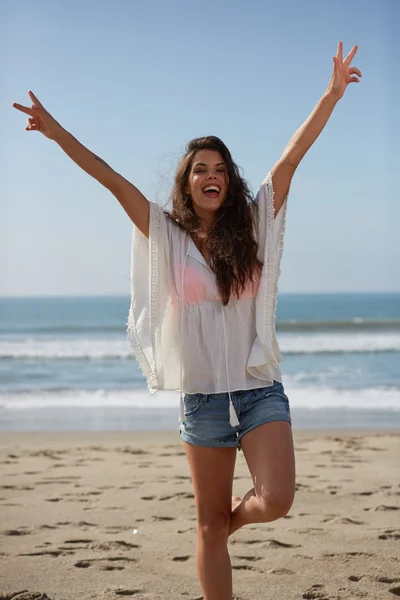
{"x": 200, "y": 164}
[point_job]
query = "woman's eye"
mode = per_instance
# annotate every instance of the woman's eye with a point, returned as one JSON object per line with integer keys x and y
{"x": 202, "y": 171}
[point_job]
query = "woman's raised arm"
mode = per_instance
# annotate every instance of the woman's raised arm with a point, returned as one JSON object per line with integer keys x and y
{"x": 131, "y": 199}
{"x": 282, "y": 172}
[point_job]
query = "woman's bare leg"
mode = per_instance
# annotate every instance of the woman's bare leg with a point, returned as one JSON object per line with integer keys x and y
{"x": 212, "y": 475}
{"x": 269, "y": 453}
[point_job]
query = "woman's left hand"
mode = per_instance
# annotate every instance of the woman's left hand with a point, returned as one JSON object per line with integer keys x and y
{"x": 342, "y": 72}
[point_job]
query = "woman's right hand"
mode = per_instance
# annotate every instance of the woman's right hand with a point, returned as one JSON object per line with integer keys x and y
{"x": 39, "y": 119}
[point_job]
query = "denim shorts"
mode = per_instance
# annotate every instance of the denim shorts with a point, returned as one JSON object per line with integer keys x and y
{"x": 207, "y": 423}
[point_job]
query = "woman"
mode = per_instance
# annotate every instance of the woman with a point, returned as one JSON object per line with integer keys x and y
{"x": 202, "y": 319}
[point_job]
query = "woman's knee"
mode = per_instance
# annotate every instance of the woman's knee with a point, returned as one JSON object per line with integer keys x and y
{"x": 214, "y": 527}
{"x": 276, "y": 504}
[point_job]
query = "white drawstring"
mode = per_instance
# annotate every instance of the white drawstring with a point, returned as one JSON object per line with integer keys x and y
{"x": 233, "y": 419}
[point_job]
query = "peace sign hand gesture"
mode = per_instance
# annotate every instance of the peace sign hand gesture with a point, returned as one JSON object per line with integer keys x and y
{"x": 40, "y": 119}
{"x": 342, "y": 72}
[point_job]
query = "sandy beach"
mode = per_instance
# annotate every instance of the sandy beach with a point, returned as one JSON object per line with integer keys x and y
{"x": 104, "y": 515}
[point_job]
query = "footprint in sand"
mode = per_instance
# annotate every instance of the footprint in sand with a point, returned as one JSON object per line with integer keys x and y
{"x": 278, "y": 544}
{"x": 315, "y": 593}
{"x": 102, "y": 563}
{"x": 121, "y": 592}
{"x": 308, "y": 530}
{"x": 48, "y": 454}
{"x": 300, "y": 486}
{"x": 16, "y": 487}
{"x": 282, "y": 571}
{"x": 78, "y": 541}
{"x": 245, "y": 568}
{"x": 390, "y": 534}
{"x": 116, "y": 528}
{"x": 24, "y": 595}
{"x": 114, "y": 545}
{"x": 387, "y": 579}
{"x": 347, "y": 555}
{"x": 171, "y": 454}
{"x": 128, "y": 450}
{"x": 271, "y": 543}
{"x": 188, "y": 495}
{"x": 61, "y": 478}
{"x": 92, "y": 545}
{"x": 54, "y": 553}
{"x": 19, "y": 531}
{"x": 249, "y": 558}
{"x": 235, "y": 541}
{"x": 86, "y": 524}
{"x": 85, "y": 564}
{"x": 343, "y": 520}
{"x": 185, "y": 530}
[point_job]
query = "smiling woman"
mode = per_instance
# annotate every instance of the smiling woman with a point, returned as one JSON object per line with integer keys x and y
{"x": 202, "y": 320}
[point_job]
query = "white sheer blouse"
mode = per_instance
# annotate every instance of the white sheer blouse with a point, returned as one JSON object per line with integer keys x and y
{"x": 181, "y": 334}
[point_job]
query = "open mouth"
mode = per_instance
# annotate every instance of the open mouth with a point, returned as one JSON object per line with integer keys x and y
{"x": 212, "y": 191}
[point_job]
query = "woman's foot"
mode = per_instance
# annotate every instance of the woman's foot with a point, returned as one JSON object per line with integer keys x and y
{"x": 235, "y": 502}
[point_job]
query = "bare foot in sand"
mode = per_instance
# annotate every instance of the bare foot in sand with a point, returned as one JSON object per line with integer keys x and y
{"x": 235, "y": 502}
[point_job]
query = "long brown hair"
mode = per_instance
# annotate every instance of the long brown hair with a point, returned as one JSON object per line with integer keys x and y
{"x": 230, "y": 239}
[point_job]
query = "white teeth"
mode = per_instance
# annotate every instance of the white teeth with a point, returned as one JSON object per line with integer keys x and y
{"x": 211, "y": 188}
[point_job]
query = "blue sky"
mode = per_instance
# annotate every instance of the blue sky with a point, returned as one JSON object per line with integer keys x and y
{"x": 135, "y": 81}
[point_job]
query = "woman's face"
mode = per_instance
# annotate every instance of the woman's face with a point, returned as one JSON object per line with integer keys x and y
{"x": 208, "y": 183}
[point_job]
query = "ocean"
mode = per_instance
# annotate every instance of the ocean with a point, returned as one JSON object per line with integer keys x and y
{"x": 66, "y": 364}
